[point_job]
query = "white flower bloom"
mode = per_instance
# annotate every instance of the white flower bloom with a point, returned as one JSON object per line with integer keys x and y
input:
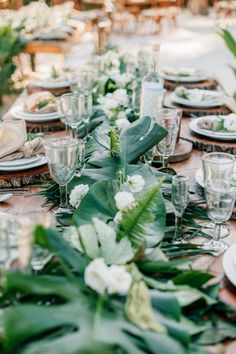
{"x": 121, "y": 96}
{"x": 97, "y": 275}
{"x": 122, "y": 123}
{"x": 136, "y": 183}
{"x": 123, "y": 79}
{"x": 120, "y": 280}
{"x": 121, "y": 115}
{"x": 77, "y": 194}
{"x": 118, "y": 217}
{"x": 124, "y": 200}
{"x": 230, "y": 122}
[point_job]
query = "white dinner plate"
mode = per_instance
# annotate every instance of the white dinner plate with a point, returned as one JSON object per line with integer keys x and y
{"x": 19, "y": 162}
{"x": 42, "y": 161}
{"x": 217, "y": 101}
{"x": 19, "y": 113}
{"x": 5, "y": 197}
{"x": 229, "y": 264}
{"x": 185, "y": 79}
{"x": 51, "y": 84}
{"x": 193, "y": 125}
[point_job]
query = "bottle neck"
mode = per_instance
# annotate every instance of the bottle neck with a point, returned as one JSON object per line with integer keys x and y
{"x": 155, "y": 61}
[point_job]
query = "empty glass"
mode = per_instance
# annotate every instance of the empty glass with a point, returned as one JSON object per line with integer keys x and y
{"x": 220, "y": 199}
{"x": 169, "y": 119}
{"x": 81, "y": 158}
{"x": 218, "y": 166}
{"x": 70, "y": 107}
{"x": 179, "y": 198}
{"x": 62, "y": 155}
{"x": 62, "y": 115}
{"x": 85, "y": 81}
{"x": 86, "y": 110}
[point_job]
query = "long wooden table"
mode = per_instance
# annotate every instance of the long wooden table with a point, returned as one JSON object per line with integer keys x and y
{"x": 25, "y": 201}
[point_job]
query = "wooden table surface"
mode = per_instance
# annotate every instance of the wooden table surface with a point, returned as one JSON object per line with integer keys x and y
{"x": 28, "y": 202}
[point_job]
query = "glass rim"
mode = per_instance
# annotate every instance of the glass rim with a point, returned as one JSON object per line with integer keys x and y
{"x": 65, "y": 95}
{"x": 181, "y": 178}
{"x": 71, "y": 142}
{"x": 207, "y": 157}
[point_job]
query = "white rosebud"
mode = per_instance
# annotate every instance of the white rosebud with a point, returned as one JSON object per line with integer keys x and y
{"x": 230, "y": 122}
{"x": 118, "y": 217}
{"x": 124, "y": 200}
{"x": 120, "y": 280}
{"x": 122, "y": 123}
{"x": 97, "y": 275}
{"x": 77, "y": 194}
{"x": 136, "y": 183}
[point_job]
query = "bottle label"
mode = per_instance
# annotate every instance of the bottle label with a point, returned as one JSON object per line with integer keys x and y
{"x": 151, "y": 99}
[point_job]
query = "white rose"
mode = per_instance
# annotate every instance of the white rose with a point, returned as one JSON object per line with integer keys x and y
{"x": 122, "y": 97}
{"x": 97, "y": 275}
{"x": 77, "y": 194}
{"x": 124, "y": 200}
{"x": 120, "y": 280}
{"x": 118, "y": 217}
{"x": 136, "y": 183}
{"x": 122, "y": 123}
{"x": 230, "y": 122}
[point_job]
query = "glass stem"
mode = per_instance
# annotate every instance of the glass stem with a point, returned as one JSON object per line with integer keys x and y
{"x": 67, "y": 128}
{"x": 74, "y": 133}
{"x": 86, "y": 129}
{"x": 63, "y": 196}
{"x": 217, "y": 232}
{"x": 178, "y": 227}
{"x": 165, "y": 161}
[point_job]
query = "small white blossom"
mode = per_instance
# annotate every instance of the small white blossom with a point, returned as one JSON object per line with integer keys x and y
{"x": 120, "y": 280}
{"x": 121, "y": 96}
{"x": 230, "y": 122}
{"x": 124, "y": 200}
{"x": 136, "y": 183}
{"x": 122, "y": 123}
{"x": 118, "y": 217}
{"x": 77, "y": 194}
{"x": 101, "y": 278}
{"x": 97, "y": 275}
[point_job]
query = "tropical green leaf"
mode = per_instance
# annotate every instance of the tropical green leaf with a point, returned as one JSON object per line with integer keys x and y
{"x": 229, "y": 40}
{"x": 193, "y": 278}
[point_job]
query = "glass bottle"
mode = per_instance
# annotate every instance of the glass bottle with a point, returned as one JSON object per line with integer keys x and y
{"x": 152, "y": 88}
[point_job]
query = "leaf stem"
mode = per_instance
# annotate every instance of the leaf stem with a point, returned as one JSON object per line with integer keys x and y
{"x": 98, "y": 312}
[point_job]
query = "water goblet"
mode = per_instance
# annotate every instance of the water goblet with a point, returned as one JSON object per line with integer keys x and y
{"x": 62, "y": 155}
{"x": 179, "y": 198}
{"x": 217, "y": 165}
{"x": 168, "y": 119}
{"x": 85, "y": 110}
{"x": 70, "y": 107}
{"x": 220, "y": 199}
{"x": 81, "y": 158}
{"x": 85, "y": 81}
{"x": 62, "y": 115}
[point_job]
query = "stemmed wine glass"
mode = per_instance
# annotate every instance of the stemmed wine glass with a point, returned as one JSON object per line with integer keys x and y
{"x": 62, "y": 115}
{"x": 168, "y": 118}
{"x": 85, "y": 81}
{"x": 81, "y": 158}
{"x": 62, "y": 155}
{"x": 70, "y": 107}
{"x": 220, "y": 199}
{"x": 217, "y": 165}
{"x": 179, "y": 198}
{"x": 85, "y": 110}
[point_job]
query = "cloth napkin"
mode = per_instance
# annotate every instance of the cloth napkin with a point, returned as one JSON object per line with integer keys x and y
{"x": 13, "y": 141}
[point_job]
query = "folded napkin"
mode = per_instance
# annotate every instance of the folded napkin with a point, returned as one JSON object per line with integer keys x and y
{"x": 12, "y": 136}
{"x": 14, "y": 144}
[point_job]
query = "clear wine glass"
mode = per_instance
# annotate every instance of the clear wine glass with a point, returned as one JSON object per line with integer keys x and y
{"x": 70, "y": 107}
{"x": 217, "y": 165}
{"x": 220, "y": 199}
{"x": 62, "y": 115}
{"x": 169, "y": 119}
{"x": 179, "y": 198}
{"x": 85, "y": 81}
{"x": 81, "y": 158}
{"x": 62, "y": 155}
{"x": 85, "y": 110}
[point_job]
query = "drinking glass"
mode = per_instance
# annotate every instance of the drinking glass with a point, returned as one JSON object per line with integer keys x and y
{"x": 62, "y": 115}
{"x": 220, "y": 166}
{"x": 62, "y": 155}
{"x": 70, "y": 107}
{"x": 86, "y": 110}
{"x": 169, "y": 119}
{"x": 85, "y": 81}
{"x": 220, "y": 199}
{"x": 179, "y": 198}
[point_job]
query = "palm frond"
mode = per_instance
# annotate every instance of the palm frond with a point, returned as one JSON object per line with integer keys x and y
{"x": 136, "y": 223}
